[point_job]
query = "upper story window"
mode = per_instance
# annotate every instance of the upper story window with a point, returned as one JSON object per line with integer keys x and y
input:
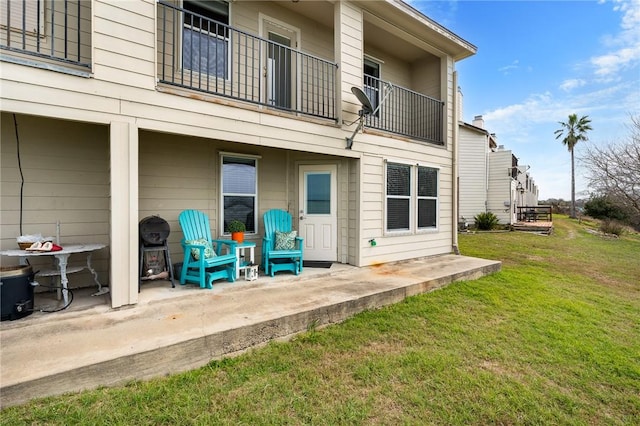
{"x": 239, "y": 190}
{"x": 406, "y": 200}
{"x": 205, "y": 37}
{"x": 18, "y": 15}
{"x": 372, "y": 82}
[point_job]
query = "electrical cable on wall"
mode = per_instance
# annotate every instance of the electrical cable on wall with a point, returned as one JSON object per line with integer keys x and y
{"x": 15, "y": 125}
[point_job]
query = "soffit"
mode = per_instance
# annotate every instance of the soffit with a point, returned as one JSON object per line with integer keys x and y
{"x": 393, "y": 23}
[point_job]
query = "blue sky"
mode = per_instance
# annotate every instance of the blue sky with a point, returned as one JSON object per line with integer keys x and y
{"x": 538, "y": 62}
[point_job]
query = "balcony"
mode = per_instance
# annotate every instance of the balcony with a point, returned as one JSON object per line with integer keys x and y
{"x": 404, "y": 112}
{"x": 53, "y": 31}
{"x": 205, "y": 55}
{"x": 198, "y": 53}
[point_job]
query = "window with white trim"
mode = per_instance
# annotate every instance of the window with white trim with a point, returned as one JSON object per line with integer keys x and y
{"x": 205, "y": 37}
{"x": 427, "y": 197}
{"x": 239, "y": 191}
{"x": 411, "y": 199}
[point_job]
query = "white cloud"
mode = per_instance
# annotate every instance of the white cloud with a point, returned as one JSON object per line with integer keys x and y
{"x": 569, "y": 85}
{"x": 513, "y": 66}
{"x": 625, "y": 45}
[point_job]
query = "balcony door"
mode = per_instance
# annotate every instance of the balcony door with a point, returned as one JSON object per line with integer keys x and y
{"x": 281, "y": 68}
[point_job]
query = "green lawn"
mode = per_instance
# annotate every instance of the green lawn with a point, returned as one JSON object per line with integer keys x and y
{"x": 554, "y": 338}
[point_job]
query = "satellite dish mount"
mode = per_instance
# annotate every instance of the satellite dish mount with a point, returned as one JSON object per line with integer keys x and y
{"x": 367, "y": 109}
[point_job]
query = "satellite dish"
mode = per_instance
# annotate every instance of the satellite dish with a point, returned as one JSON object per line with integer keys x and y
{"x": 367, "y": 108}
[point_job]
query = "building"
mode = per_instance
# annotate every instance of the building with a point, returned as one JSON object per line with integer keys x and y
{"x": 114, "y": 111}
{"x": 490, "y": 177}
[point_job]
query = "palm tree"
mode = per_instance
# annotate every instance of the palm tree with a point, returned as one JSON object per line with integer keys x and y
{"x": 573, "y": 131}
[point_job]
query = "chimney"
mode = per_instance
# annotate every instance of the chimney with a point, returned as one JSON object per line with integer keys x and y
{"x": 478, "y": 121}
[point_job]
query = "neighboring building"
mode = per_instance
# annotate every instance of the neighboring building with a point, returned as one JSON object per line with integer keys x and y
{"x": 490, "y": 178}
{"x": 113, "y": 111}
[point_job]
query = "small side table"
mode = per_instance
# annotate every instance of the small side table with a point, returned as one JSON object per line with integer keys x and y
{"x": 241, "y": 256}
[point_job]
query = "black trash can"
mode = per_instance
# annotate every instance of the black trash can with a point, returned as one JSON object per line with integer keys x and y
{"x": 16, "y": 292}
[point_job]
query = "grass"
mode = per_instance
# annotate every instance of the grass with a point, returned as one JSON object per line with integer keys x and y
{"x": 554, "y": 338}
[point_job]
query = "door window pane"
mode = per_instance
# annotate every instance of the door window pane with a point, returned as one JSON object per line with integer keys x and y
{"x": 318, "y": 193}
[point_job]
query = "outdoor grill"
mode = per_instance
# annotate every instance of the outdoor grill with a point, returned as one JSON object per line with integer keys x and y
{"x": 154, "y": 232}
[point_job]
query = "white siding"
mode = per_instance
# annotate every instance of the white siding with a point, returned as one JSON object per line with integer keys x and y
{"x": 472, "y": 172}
{"x": 501, "y": 186}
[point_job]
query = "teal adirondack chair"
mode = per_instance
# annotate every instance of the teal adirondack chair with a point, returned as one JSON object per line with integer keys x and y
{"x": 204, "y": 260}
{"x": 280, "y": 250}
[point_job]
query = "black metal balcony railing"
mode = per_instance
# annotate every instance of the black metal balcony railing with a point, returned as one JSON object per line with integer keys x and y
{"x": 56, "y": 30}
{"x": 404, "y": 111}
{"x": 198, "y": 53}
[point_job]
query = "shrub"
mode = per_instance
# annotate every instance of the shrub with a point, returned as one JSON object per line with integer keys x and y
{"x": 604, "y": 208}
{"x": 611, "y": 227}
{"x": 486, "y": 221}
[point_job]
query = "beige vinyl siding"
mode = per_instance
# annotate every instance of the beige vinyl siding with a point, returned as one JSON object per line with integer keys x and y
{"x": 350, "y": 36}
{"x": 118, "y": 23}
{"x": 65, "y": 166}
{"x": 425, "y": 77}
{"x": 394, "y": 247}
{"x": 472, "y": 166}
{"x": 391, "y": 68}
{"x": 179, "y": 173}
{"x": 315, "y": 38}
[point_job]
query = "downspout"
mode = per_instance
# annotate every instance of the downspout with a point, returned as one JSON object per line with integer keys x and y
{"x": 487, "y": 159}
{"x": 454, "y": 186}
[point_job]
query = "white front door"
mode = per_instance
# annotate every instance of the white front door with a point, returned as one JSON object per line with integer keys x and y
{"x": 318, "y": 212}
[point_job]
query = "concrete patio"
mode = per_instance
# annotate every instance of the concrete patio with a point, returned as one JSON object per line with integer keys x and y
{"x": 176, "y": 329}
